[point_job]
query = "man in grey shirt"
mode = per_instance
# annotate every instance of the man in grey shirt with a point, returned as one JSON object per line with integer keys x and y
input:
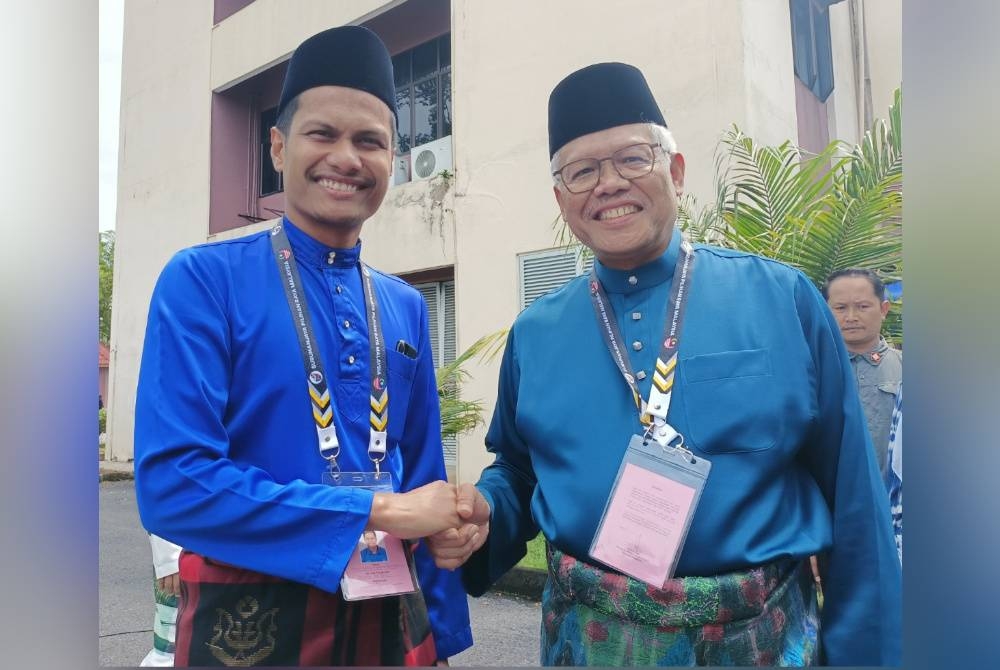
{"x": 857, "y": 298}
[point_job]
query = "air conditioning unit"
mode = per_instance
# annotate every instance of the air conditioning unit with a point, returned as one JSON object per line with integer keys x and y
{"x": 401, "y": 170}
{"x": 429, "y": 159}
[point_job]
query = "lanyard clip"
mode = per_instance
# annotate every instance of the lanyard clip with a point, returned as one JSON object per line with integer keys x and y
{"x": 664, "y": 434}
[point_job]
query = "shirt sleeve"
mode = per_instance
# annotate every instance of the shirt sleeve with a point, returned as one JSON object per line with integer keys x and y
{"x": 423, "y": 462}
{"x": 894, "y": 473}
{"x": 507, "y": 484}
{"x": 165, "y": 556}
{"x": 861, "y": 617}
{"x": 188, "y": 489}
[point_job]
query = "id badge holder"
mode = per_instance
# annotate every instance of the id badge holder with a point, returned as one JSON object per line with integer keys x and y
{"x": 381, "y": 564}
{"x": 649, "y": 511}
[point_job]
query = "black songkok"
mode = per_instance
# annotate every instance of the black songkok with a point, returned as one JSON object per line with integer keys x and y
{"x": 351, "y": 56}
{"x": 599, "y": 97}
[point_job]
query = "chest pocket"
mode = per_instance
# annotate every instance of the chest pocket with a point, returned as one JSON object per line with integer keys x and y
{"x": 401, "y": 371}
{"x": 730, "y": 401}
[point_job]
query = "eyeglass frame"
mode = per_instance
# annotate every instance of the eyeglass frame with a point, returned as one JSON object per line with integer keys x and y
{"x": 600, "y": 162}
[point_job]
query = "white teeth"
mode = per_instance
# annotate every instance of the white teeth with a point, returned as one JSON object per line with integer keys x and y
{"x": 338, "y": 185}
{"x": 616, "y": 212}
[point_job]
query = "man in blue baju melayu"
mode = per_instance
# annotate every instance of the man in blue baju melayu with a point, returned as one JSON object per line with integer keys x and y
{"x": 703, "y": 370}
{"x": 273, "y": 364}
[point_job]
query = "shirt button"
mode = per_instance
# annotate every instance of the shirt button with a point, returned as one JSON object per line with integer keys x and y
{"x": 641, "y": 374}
{"x": 633, "y": 280}
{"x": 637, "y": 345}
{"x": 636, "y": 316}
{"x": 350, "y": 360}
{"x": 347, "y": 324}
{"x": 331, "y": 258}
{"x": 339, "y": 289}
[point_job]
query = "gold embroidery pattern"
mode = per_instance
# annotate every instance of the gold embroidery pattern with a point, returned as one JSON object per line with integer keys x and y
{"x": 242, "y": 641}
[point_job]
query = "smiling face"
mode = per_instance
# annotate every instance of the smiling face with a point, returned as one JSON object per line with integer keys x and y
{"x": 859, "y": 312}
{"x": 336, "y": 160}
{"x": 625, "y": 223}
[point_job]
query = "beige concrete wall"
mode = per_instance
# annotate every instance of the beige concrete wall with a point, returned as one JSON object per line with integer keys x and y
{"x": 266, "y": 32}
{"x": 844, "y": 105}
{"x": 162, "y": 176}
{"x": 884, "y": 21}
{"x": 767, "y": 71}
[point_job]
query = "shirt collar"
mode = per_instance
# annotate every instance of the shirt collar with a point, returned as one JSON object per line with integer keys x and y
{"x": 875, "y": 355}
{"x": 653, "y": 273}
{"x": 312, "y": 252}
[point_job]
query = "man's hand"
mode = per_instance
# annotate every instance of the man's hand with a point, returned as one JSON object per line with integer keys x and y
{"x": 472, "y": 506}
{"x": 451, "y": 548}
{"x": 417, "y": 513}
{"x": 171, "y": 584}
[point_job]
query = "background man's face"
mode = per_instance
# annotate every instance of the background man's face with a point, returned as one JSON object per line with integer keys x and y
{"x": 335, "y": 161}
{"x": 858, "y": 311}
{"x": 625, "y": 223}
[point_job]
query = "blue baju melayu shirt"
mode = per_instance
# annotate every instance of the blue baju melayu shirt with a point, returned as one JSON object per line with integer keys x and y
{"x": 764, "y": 389}
{"x": 226, "y": 455}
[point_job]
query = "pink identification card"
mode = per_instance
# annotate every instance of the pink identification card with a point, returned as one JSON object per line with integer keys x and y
{"x": 379, "y": 566}
{"x": 644, "y": 525}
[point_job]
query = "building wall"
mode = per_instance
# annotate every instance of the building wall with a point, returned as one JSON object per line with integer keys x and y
{"x": 710, "y": 63}
{"x": 163, "y": 176}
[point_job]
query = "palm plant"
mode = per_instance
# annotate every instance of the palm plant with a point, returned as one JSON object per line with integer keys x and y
{"x": 457, "y": 414}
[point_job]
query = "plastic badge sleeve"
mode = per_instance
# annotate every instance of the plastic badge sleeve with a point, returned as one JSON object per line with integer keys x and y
{"x": 649, "y": 511}
{"x": 382, "y": 564}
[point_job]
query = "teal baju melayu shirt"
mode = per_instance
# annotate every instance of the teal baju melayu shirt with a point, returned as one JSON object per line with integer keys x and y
{"x": 764, "y": 389}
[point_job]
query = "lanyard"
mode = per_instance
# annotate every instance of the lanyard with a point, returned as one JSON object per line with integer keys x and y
{"x": 319, "y": 392}
{"x": 653, "y": 413}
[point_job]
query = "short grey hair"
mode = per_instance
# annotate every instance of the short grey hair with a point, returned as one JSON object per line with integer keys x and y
{"x": 661, "y": 135}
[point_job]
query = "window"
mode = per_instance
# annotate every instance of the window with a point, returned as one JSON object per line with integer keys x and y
{"x": 811, "y": 49}
{"x": 423, "y": 92}
{"x": 270, "y": 179}
{"x": 545, "y": 271}
{"x": 440, "y": 297}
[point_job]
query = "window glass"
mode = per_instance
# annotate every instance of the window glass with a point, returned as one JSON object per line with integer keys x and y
{"x": 405, "y": 129}
{"x": 444, "y": 50}
{"x": 270, "y": 179}
{"x": 446, "y": 103}
{"x": 425, "y": 59}
{"x": 401, "y": 68}
{"x": 425, "y": 111}
{"x": 812, "y": 52}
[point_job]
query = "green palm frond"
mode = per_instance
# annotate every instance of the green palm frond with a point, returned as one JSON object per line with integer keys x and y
{"x": 457, "y": 414}
{"x": 700, "y": 224}
{"x": 766, "y": 190}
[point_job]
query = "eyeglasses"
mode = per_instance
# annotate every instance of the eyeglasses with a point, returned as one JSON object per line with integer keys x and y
{"x": 630, "y": 162}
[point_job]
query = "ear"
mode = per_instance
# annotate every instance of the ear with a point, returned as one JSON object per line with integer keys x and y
{"x": 559, "y": 199}
{"x": 277, "y": 148}
{"x": 884, "y": 308}
{"x": 677, "y": 173}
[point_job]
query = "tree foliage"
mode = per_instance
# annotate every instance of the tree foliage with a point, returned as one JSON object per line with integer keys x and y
{"x": 105, "y": 276}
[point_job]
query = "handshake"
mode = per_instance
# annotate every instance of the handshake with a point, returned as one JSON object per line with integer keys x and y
{"x": 454, "y": 520}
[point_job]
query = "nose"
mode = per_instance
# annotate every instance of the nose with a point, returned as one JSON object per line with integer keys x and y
{"x": 609, "y": 181}
{"x": 343, "y": 157}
